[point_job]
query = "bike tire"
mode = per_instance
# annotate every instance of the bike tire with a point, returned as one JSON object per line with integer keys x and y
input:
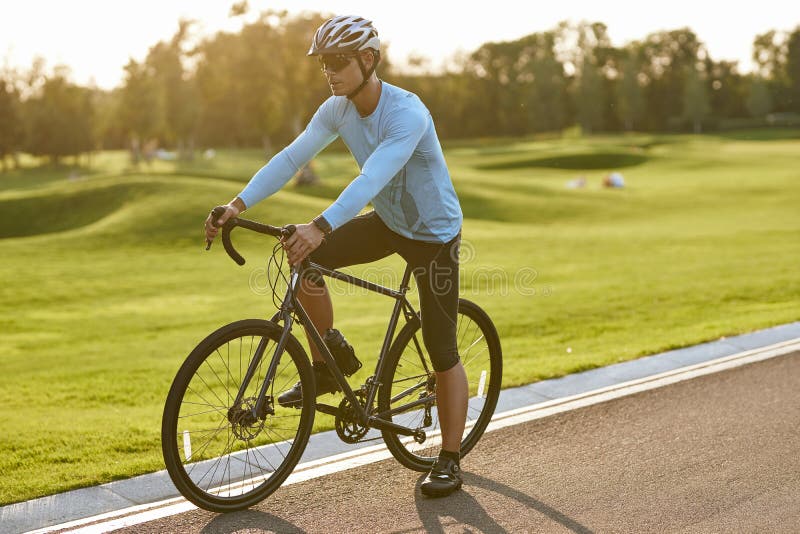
{"x": 409, "y": 367}
{"x": 258, "y": 455}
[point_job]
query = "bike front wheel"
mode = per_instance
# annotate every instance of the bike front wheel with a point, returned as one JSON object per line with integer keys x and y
{"x": 408, "y": 386}
{"x": 225, "y": 455}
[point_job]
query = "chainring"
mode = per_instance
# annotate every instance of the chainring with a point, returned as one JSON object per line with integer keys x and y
{"x": 348, "y": 428}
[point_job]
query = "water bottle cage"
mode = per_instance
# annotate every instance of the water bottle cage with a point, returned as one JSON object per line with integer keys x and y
{"x": 342, "y": 352}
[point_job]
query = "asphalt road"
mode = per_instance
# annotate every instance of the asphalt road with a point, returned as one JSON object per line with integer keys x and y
{"x": 716, "y": 453}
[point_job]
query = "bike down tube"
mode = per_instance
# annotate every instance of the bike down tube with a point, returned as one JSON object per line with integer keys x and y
{"x": 305, "y": 320}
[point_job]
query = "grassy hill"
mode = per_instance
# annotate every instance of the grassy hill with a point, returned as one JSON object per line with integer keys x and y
{"x": 106, "y": 286}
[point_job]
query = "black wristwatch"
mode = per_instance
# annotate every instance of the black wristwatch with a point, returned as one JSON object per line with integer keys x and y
{"x": 321, "y": 223}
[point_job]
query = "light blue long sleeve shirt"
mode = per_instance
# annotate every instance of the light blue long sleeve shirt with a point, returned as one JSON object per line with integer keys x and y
{"x": 403, "y": 171}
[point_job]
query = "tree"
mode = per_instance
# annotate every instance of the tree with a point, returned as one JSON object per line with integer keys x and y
{"x": 219, "y": 117}
{"x": 59, "y": 118}
{"x": 759, "y": 101}
{"x": 11, "y": 126}
{"x": 631, "y": 97}
{"x": 139, "y": 106}
{"x": 242, "y": 81}
{"x": 589, "y": 97}
{"x": 728, "y": 95}
{"x": 583, "y": 49}
{"x": 176, "y": 94}
{"x": 302, "y": 74}
{"x": 521, "y": 85}
{"x": 109, "y": 132}
{"x": 793, "y": 69}
{"x": 667, "y": 58}
{"x": 255, "y": 87}
{"x": 548, "y": 100}
{"x": 695, "y": 99}
{"x": 770, "y": 52}
{"x": 499, "y": 63}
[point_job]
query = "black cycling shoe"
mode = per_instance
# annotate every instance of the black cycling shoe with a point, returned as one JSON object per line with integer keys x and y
{"x": 293, "y": 398}
{"x": 444, "y": 478}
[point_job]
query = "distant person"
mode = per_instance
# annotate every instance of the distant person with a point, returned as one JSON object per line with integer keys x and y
{"x": 149, "y": 151}
{"x": 306, "y": 176}
{"x": 417, "y": 214}
{"x": 136, "y": 151}
{"x": 614, "y": 179}
{"x": 577, "y": 183}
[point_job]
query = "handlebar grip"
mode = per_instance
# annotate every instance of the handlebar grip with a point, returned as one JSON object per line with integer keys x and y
{"x": 216, "y": 213}
{"x": 288, "y": 230}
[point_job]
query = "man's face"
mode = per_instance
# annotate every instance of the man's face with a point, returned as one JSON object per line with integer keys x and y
{"x": 342, "y": 71}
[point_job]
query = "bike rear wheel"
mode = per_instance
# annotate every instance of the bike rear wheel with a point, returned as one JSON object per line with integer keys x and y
{"x": 409, "y": 377}
{"x": 220, "y": 455}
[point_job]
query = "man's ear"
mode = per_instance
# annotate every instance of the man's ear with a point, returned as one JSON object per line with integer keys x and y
{"x": 369, "y": 58}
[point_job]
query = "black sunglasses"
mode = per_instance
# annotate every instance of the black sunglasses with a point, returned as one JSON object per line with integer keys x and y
{"x": 334, "y": 62}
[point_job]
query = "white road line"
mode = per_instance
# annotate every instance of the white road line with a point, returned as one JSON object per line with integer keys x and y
{"x": 317, "y": 468}
{"x": 544, "y": 409}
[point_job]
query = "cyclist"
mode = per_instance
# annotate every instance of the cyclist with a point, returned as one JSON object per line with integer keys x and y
{"x": 416, "y": 214}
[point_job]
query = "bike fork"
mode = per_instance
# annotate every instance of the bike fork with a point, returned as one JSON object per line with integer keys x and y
{"x": 273, "y": 366}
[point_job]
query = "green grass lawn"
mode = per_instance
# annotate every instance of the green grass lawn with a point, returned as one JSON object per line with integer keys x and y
{"x": 106, "y": 286}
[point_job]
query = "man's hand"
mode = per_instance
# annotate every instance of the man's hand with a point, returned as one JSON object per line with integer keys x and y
{"x": 231, "y": 210}
{"x": 305, "y": 239}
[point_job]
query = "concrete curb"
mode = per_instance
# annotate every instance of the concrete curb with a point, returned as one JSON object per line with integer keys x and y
{"x": 145, "y": 489}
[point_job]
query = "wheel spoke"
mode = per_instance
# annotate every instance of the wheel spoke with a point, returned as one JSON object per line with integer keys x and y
{"x": 477, "y": 356}
{"x": 237, "y": 458}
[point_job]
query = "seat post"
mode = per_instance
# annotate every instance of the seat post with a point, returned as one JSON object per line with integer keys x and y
{"x": 406, "y": 278}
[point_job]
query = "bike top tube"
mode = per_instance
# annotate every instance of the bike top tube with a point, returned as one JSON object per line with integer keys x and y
{"x": 286, "y": 231}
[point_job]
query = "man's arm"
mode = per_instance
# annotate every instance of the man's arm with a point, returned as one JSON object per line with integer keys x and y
{"x": 273, "y": 176}
{"x": 404, "y": 132}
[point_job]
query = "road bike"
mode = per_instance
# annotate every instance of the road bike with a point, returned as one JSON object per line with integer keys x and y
{"x": 227, "y": 441}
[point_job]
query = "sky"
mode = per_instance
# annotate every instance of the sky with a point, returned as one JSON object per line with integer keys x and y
{"x": 96, "y": 38}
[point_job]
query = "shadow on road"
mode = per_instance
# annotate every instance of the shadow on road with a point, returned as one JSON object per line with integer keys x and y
{"x": 462, "y": 507}
{"x": 251, "y": 521}
{"x": 436, "y": 515}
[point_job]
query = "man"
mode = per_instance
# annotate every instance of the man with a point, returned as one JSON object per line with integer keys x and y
{"x": 417, "y": 214}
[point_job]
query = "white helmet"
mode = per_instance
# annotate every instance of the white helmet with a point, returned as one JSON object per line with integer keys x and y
{"x": 344, "y": 34}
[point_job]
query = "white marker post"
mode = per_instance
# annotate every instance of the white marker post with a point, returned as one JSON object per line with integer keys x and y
{"x": 187, "y": 445}
{"x": 482, "y": 383}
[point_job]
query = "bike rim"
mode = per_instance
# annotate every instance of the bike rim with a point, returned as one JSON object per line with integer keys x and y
{"x": 223, "y": 450}
{"x": 410, "y": 373}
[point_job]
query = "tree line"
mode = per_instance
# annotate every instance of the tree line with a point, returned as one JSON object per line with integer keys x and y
{"x": 256, "y": 87}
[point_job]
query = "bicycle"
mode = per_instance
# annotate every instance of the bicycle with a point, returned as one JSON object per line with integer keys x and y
{"x": 224, "y": 394}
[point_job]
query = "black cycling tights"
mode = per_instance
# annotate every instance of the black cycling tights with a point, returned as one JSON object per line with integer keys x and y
{"x": 366, "y": 238}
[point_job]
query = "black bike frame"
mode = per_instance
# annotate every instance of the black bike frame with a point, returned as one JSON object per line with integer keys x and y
{"x": 291, "y": 305}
